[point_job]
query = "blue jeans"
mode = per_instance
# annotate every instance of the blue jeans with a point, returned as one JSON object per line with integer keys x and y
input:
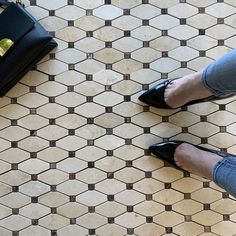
{"x": 220, "y": 78}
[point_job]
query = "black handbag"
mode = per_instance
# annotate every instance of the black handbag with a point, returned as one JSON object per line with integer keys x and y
{"x": 31, "y": 42}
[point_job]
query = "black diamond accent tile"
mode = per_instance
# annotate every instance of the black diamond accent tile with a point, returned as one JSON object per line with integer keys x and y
{"x": 126, "y": 77}
{"x": 34, "y": 177}
{"x": 33, "y": 155}
{"x": 206, "y": 206}
{"x": 164, "y": 54}
{"x": 91, "y": 187}
{"x": 127, "y": 55}
{"x": 167, "y": 185}
{"x": 128, "y": 141}
{"x": 90, "y": 142}
{"x": 145, "y": 1}
{"x": 52, "y": 143}
{"x": 53, "y": 188}
{"x": 164, "y": 11}
{"x": 15, "y": 211}
{"x": 72, "y": 198}
{"x": 15, "y": 189}
{"x": 182, "y": 21}
{"x": 90, "y": 164}
{"x": 207, "y": 229}
{"x": 89, "y": 99}
{"x": 90, "y": 121}
{"x": 34, "y": 222}
{"x": 72, "y": 176}
{"x": 110, "y": 153}
{"x": 206, "y": 185}
{"x": 184, "y": 129}
{"x": 130, "y": 231}
{"x": 146, "y": 65}
{"x": 51, "y": 13}
{"x": 110, "y": 198}
{"x": 14, "y": 166}
{"x": 126, "y": 11}
{"x": 145, "y": 22}
{"x": 187, "y": 195}
{"x": 187, "y": 218}
{"x": 110, "y": 175}
{"x": 165, "y": 119}
{"x": 51, "y": 100}
{"x": 149, "y": 219}
{"x": 148, "y": 174}
{"x": 108, "y": 66}
{"x": 71, "y": 153}
{"x": 53, "y": 233}
{"x": 108, "y": 109}
{"x": 186, "y": 174}
{"x": 146, "y": 44}
{"x": 129, "y": 186}
{"x": 130, "y": 208}
{"x": 89, "y": 12}
{"x": 164, "y": 32}
{"x": 13, "y": 100}
{"x": 226, "y": 217}
{"x": 201, "y": 10}
{"x": 183, "y": 43}
{"x": 108, "y": 44}
{"x": 169, "y": 230}
{"x": 168, "y": 207}
{"x": 91, "y": 209}
{"x": 202, "y": 53}
{"x": 15, "y": 233}
{"x": 34, "y": 199}
{"x": 111, "y": 220}
{"x": 108, "y": 87}
{"x": 51, "y": 78}
{"x": 126, "y": 33}
{"x": 71, "y": 45}
{"x": 13, "y": 122}
{"x": 220, "y": 21}
{"x": 201, "y": 32}
{"x": 70, "y": 2}
{"x": 32, "y": 2}
{"x": 92, "y": 231}
{"x": 225, "y": 195}
{"x": 71, "y": 23}
{"x": 108, "y": 22}
{"x": 184, "y": 64}
{"x": 14, "y": 144}
{"x": 203, "y": 140}
{"x": 73, "y": 221}
{"x": 107, "y": 1}
{"x": 222, "y": 107}
{"x": 149, "y": 197}
{"x": 89, "y": 77}
{"x": 89, "y": 34}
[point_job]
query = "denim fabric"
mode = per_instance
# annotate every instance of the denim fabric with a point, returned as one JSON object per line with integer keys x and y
{"x": 224, "y": 174}
{"x": 219, "y": 77}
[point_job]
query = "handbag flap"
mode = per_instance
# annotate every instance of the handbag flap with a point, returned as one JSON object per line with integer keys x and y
{"x": 14, "y": 23}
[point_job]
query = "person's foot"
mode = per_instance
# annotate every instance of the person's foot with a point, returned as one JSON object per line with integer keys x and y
{"x": 184, "y": 90}
{"x": 196, "y": 161}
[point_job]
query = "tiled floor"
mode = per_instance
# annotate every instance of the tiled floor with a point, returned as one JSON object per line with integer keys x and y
{"x": 74, "y": 157}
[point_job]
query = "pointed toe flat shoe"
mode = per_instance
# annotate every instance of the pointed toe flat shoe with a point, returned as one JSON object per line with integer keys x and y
{"x": 155, "y": 96}
{"x": 166, "y": 150}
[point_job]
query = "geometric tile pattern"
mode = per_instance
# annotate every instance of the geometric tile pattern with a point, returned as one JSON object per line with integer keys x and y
{"x": 74, "y": 138}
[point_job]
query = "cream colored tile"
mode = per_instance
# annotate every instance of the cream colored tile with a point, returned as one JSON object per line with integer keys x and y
{"x": 4, "y": 211}
{"x": 52, "y": 154}
{"x": 33, "y": 144}
{"x": 89, "y": 88}
{"x": 54, "y": 221}
{"x": 207, "y": 217}
{"x": 145, "y": 33}
{"x": 53, "y": 67}
{"x": 201, "y": 4}
{"x": 145, "y": 76}
{"x": 88, "y": 5}
{"x": 203, "y": 129}
{"x": 202, "y": 42}
{"x": 53, "y": 177}
{"x": 111, "y": 209}
{"x": 220, "y": 31}
{"x": 148, "y": 186}
{"x": 128, "y": 152}
{"x": 15, "y": 200}
{"x": 188, "y": 228}
{"x": 54, "y": 4}
{"x": 148, "y": 163}
{"x": 90, "y": 153}
{"x": 127, "y": 22}
{"x": 71, "y": 143}
{"x": 145, "y": 12}
{"x": 89, "y": 66}
{"x": 109, "y": 164}
{"x": 108, "y": 34}
{"x": 108, "y": 120}
{"x": 111, "y": 230}
{"x": 70, "y": 78}
{"x": 168, "y": 219}
{"x": 127, "y": 66}
{"x": 72, "y": 230}
{"x": 127, "y": 109}
{"x": 126, "y": 5}
{"x": 15, "y": 222}
{"x": 165, "y": 130}
{"x": 108, "y": 55}
{"x": 146, "y": 140}
{"x": 34, "y": 211}
{"x": 91, "y": 176}
{"x": 201, "y": 21}
{"x": 187, "y": 185}
{"x": 183, "y": 32}
{"x": 127, "y": 44}
{"x": 71, "y": 165}
{"x": 35, "y": 230}
{"x": 168, "y": 196}
{"x": 70, "y": 34}
{"x": 72, "y": 210}
{"x": 206, "y": 195}
{"x": 165, "y": 65}
{"x": 167, "y": 174}
{"x": 14, "y": 111}
{"x": 182, "y": 10}
{"x": 89, "y": 45}
{"x": 52, "y": 132}
{"x": 37, "y": 12}
{"x": 150, "y": 230}
{"x": 130, "y": 220}
{"x": 115, "y": 186}
{"x": 146, "y": 55}
{"x": 108, "y": 12}
{"x": 70, "y": 99}
{"x": 71, "y": 56}
{"x": 4, "y": 167}
{"x": 203, "y": 109}
{"x": 91, "y": 220}
{"x": 164, "y": 4}
{"x": 71, "y": 121}
{"x": 224, "y": 206}
{"x": 4, "y": 189}
{"x": 70, "y": 12}
{"x": 225, "y": 227}
{"x": 109, "y": 142}
{"x": 14, "y": 178}
{"x": 127, "y": 131}
{"x": 72, "y": 187}
{"x": 33, "y": 122}
{"x": 217, "y": 52}
{"x": 18, "y": 90}
{"x": 91, "y": 198}
{"x": 89, "y": 23}
{"x": 53, "y": 199}
{"x": 220, "y": 10}
{"x": 187, "y": 207}
{"x": 222, "y": 140}
{"x": 126, "y": 199}
{"x": 183, "y": 53}
{"x": 53, "y": 23}
{"x": 164, "y": 22}
{"x": 129, "y": 175}
{"x": 33, "y": 166}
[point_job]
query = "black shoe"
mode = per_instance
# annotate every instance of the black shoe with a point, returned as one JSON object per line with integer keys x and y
{"x": 166, "y": 150}
{"x": 155, "y": 96}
